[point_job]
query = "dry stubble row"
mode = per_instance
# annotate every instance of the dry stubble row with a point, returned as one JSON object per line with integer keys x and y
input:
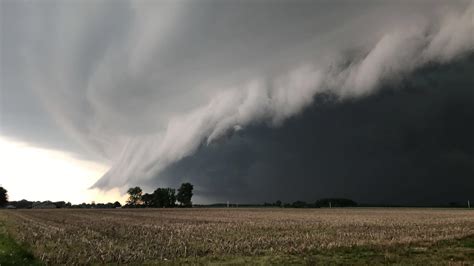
{"x": 140, "y": 235}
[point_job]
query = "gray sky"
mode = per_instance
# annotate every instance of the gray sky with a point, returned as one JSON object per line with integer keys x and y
{"x": 140, "y": 85}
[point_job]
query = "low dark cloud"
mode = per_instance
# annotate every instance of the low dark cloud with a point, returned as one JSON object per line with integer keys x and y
{"x": 410, "y": 143}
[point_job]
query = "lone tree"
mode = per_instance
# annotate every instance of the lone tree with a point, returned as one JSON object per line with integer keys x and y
{"x": 135, "y": 196}
{"x": 3, "y": 197}
{"x": 185, "y": 193}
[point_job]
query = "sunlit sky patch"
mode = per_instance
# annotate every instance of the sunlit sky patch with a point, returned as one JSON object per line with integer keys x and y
{"x": 41, "y": 174}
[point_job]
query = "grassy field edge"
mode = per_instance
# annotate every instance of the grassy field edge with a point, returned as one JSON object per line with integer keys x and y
{"x": 11, "y": 252}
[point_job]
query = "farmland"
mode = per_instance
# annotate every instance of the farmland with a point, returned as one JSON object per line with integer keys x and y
{"x": 268, "y": 235}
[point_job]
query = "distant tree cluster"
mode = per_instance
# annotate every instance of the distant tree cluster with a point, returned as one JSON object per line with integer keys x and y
{"x": 161, "y": 197}
{"x": 22, "y": 204}
{"x": 277, "y": 203}
{"x": 25, "y": 204}
{"x": 321, "y": 203}
{"x": 337, "y": 202}
{"x": 94, "y": 205}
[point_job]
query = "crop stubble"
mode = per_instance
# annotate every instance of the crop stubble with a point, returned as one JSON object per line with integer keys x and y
{"x": 143, "y": 235}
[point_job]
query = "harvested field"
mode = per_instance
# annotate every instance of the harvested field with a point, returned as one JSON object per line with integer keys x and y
{"x": 157, "y": 235}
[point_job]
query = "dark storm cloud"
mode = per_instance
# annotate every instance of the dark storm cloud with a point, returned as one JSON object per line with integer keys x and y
{"x": 410, "y": 143}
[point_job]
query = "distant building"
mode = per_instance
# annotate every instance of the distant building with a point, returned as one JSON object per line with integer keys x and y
{"x": 43, "y": 205}
{"x": 10, "y": 207}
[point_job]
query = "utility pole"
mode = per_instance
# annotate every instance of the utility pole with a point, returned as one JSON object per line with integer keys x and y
{"x": 227, "y": 204}
{"x": 468, "y": 204}
{"x": 330, "y": 205}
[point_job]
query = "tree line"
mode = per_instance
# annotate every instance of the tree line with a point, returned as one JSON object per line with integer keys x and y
{"x": 169, "y": 198}
{"x": 26, "y": 204}
{"x": 321, "y": 203}
{"x": 161, "y": 197}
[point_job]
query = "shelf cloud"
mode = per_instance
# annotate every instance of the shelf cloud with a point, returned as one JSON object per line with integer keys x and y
{"x": 145, "y": 85}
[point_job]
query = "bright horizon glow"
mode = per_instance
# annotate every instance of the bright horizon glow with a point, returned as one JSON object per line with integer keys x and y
{"x": 39, "y": 174}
